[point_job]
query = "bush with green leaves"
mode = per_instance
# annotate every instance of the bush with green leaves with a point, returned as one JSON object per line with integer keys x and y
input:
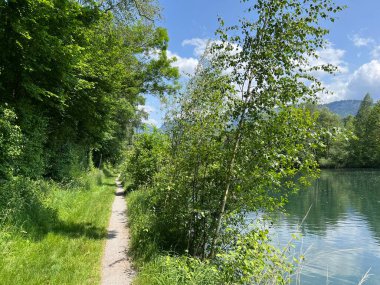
{"x": 25, "y": 205}
{"x": 251, "y": 259}
{"x": 145, "y": 158}
{"x": 142, "y": 220}
{"x": 10, "y": 142}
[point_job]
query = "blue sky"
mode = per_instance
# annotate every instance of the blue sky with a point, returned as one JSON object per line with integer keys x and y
{"x": 354, "y": 44}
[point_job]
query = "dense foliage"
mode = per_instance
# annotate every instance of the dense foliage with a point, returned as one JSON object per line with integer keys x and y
{"x": 241, "y": 139}
{"x": 145, "y": 159}
{"x": 353, "y": 141}
{"x": 71, "y": 77}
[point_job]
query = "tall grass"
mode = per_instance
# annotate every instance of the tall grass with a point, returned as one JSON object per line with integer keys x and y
{"x": 141, "y": 224}
{"x": 62, "y": 241}
{"x": 178, "y": 270}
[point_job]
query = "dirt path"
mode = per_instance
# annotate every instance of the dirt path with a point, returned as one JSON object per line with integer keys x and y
{"x": 116, "y": 266}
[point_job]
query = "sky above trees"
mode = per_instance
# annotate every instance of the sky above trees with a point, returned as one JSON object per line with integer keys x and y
{"x": 354, "y": 44}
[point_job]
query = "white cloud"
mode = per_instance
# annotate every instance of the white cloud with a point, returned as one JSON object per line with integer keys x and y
{"x": 375, "y": 53}
{"x": 330, "y": 55}
{"x": 199, "y": 45}
{"x": 146, "y": 108}
{"x": 150, "y": 121}
{"x": 361, "y": 41}
{"x": 186, "y": 65}
{"x": 365, "y": 79}
{"x": 337, "y": 86}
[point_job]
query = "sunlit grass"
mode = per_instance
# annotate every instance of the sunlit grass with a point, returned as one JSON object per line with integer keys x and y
{"x": 69, "y": 250}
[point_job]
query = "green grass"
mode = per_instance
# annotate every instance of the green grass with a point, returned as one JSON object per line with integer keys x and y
{"x": 68, "y": 249}
{"x": 178, "y": 270}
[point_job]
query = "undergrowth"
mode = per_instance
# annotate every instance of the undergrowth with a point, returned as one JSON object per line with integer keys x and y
{"x": 157, "y": 266}
{"x": 250, "y": 259}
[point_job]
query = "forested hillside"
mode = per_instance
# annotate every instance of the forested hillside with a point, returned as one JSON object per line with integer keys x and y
{"x": 343, "y": 108}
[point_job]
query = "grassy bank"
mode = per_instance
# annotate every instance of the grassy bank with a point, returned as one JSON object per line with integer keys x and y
{"x": 62, "y": 243}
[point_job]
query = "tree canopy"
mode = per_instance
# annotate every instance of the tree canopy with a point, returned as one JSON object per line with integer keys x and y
{"x": 73, "y": 73}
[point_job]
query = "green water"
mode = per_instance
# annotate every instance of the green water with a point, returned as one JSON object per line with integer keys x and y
{"x": 341, "y": 234}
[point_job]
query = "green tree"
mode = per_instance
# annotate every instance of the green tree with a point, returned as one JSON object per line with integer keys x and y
{"x": 361, "y": 155}
{"x": 74, "y": 73}
{"x": 238, "y": 143}
{"x": 10, "y": 142}
{"x": 335, "y": 136}
{"x": 270, "y": 61}
{"x": 373, "y": 137}
{"x": 145, "y": 159}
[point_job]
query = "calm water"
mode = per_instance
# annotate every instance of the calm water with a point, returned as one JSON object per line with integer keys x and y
{"x": 341, "y": 234}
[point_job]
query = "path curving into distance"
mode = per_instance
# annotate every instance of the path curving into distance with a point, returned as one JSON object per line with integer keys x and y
{"x": 116, "y": 265}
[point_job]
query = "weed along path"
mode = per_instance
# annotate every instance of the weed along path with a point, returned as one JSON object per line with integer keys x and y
{"x": 116, "y": 265}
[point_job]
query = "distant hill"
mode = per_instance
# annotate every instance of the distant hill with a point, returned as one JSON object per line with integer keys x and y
{"x": 344, "y": 108}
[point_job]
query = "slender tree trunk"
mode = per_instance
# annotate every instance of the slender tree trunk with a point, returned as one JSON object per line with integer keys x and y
{"x": 225, "y": 196}
{"x": 100, "y": 161}
{"x": 193, "y": 229}
{"x": 248, "y": 98}
{"x": 231, "y": 165}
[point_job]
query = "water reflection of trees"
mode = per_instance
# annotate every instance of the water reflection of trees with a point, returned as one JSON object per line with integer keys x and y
{"x": 334, "y": 196}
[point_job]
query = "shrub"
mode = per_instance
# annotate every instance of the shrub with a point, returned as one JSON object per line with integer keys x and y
{"x": 10, "y": 142}
{"x": 251, "y": 259}
{"x": 144, "y": 159}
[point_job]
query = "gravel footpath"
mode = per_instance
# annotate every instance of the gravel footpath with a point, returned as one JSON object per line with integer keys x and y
{"x": 116, "y": 265}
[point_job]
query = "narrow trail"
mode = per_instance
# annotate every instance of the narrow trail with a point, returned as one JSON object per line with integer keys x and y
{"x": 116, "y": 265}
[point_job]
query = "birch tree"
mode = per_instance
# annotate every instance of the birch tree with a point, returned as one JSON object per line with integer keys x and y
{"x": 240, "y": 140}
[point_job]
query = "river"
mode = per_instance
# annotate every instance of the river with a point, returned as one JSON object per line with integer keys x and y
{"x": 341, "y": 234}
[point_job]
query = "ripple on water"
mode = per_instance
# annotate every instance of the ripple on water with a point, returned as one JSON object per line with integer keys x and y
{"x": 341, "y": 234}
